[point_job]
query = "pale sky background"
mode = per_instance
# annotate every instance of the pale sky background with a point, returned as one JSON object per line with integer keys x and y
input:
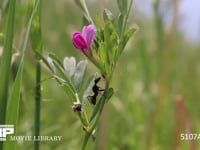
{"x": 189, "y": 13}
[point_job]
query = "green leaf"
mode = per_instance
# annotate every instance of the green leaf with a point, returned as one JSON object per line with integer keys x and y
{"x": 96, "y": 109}
{"x": 111, "y": 42}
{"x": 79, "y": 73}
{"x": 13, "y": 107}
{"x": 14, "y": 98}
{"x": 56, "y": 59}
{"x": 69, "y": 64}
{"x": 107, "y": 15}
{"x": 123, "y": 6}
{"x": 102, "y": 54}
{"x": 61, "y": 70}
{"x": 47, "y": 61}
{"x": 36, "y": 34}
{"x": 99, "y": 37}
{"x": 6, "y": 61}
{"x": 125, "y": 39}
{"x": 82, "y": 5}
{"x": 36, "y": 39}
{"x": 79, "y": 4}
{"x": 109, "y": 94}
{"x": 110, "y": 36}
{"x": 85, "y": 21}
{"x": 50, "y": 64}
{"x": 120, "y": 24}
{"x": 68, "y": 90}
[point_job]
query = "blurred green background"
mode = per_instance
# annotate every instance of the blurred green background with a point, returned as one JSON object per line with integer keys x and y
{"x": 157, "y": 65}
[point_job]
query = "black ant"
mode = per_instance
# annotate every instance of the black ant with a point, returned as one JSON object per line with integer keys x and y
{"x": 96, "y": 89}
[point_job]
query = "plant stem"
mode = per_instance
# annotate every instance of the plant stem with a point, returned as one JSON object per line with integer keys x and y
{"x": 36, "y": 43}
{"x": 93, "y": 124}
{"x": 97, "y": 117}
{"x": 83, "y": 118}
{"x": 87, "y": 14}
{"x": 86, "y": 138}
{"x": 94, "y": 61}
{"x": 160, "y": 36}
{"x": 37, "y": 103}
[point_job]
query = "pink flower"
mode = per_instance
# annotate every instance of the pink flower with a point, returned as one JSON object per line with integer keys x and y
{"x": 83, "y": 41}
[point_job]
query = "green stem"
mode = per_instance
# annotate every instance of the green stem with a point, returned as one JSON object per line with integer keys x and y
{"x": 97, "y": 117}
{"x": 37, "y": 103}
{"x": 95, "y": 62}
{"x": 129, "y": 10}
{"x": 87, "y": 14}
{"x": 86, "y": 138}
{"x": 82, "y": 115}
{"x": 83, "y": 118}
{"x": 159, "y": 32}
{"x": 36, "y": 42}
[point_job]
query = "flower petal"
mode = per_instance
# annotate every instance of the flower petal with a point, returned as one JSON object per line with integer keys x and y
{"x": 79, "y": 41}
{"x": 88, "y": 34}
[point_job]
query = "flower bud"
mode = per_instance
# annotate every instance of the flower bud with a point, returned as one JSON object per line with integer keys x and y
{"x": 79, "y": 41}
{"x": 83, "y": 40}
{"x": 77, "y": 107}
